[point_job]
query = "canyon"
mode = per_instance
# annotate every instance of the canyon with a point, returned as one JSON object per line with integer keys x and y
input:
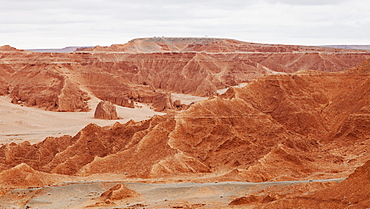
{"x": 301, "y": 115}
{"x": 146, "y": 70}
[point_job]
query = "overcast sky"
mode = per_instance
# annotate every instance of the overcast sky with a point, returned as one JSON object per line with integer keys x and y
{"x": 59, "y": 23}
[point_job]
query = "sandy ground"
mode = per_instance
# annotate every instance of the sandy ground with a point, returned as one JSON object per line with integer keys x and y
{"x": 19, "y": 123}
{"x": 84, "y": 194}
{"x": 186, "y": 99}
{"x": 222, "y": 91}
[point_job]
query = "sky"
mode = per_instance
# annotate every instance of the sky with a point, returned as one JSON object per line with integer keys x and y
{"x": 31, "y": 24}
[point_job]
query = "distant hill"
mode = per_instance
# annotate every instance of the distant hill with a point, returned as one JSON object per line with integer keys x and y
{"x": 359, "y": 47}
{"x": 56, "y": 50}
{"x": 209, "y": 45}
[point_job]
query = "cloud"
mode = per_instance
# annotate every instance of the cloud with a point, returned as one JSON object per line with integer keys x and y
{"x": 44, "y": 23}
{"x": 306, "y": 2}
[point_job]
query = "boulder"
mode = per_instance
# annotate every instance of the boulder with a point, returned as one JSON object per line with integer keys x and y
{"x": 162, "y": 101}
{"x": 179, "y": 106}
{"x": 177, "y": 103}
{"x": 118, "y": 192}
{"x": 106, "y": 110}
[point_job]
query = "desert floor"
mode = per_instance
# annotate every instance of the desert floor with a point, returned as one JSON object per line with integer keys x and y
{"x": 85, "y": 194}
{"x": 20, "y": 123}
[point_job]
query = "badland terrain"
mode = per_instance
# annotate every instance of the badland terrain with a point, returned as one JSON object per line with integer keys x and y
{"x": 294, "y": 120}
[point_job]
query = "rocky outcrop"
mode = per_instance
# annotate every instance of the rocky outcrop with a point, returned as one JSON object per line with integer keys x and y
{"x": 163, "y": 102}
{"x": 44, "y": 86}
{"x": 118, "y": 192}
{"x": 352, "y": 192}
{"x": 106, "y": 110}
{"x": 23, "y": 176}
{"x": 179, "y": 106}
{"x": 252, "y": 200}
{"x": 7, "y": 48}
{"x": 115, "y": 194}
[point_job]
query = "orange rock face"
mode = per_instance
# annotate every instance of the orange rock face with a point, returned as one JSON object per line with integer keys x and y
{"x": 145, "y": 70}
{"x": 44, "y": 86}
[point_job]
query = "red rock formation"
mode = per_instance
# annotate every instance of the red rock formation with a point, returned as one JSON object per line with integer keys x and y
{"x": 179, "y": 106}
{"x": 23, "y": 176}
{"x": 118, "y": 192}
{"x": 231, "y": 131}
{"x": 33, "y": 155}
{"x": 44, "y": 86}
{"x": 7, "y": 48}
{"x": 192, "y": 66}
{"x": 106, "y": 110}
{"x": 353, "y": 192}
{"x": 163, "y": 102}
{"x": 280, "y": 127}
{"x": 252, "y": 199}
